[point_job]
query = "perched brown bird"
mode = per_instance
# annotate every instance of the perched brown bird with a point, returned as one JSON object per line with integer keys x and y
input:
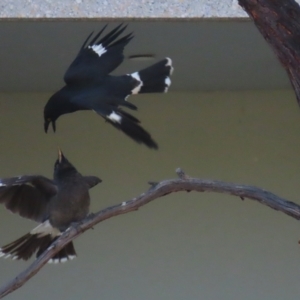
{"x": 55, "y": 204}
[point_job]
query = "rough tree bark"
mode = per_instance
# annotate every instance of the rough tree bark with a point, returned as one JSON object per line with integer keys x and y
{"x": 279, "y": 23}
{"x": 184, "y": 183}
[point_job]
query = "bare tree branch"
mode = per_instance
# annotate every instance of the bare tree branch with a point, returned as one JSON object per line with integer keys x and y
{"x": 279, "y": 23}
{"x": 157, "y": 190}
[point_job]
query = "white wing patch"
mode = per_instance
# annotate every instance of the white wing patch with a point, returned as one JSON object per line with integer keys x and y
{"x": 98, "y": 49}
{"x": 169, "y": 64}
{"x": 137, "y": 89}
{"x": 115, "y": 117}
{"x": 45, "y": 229}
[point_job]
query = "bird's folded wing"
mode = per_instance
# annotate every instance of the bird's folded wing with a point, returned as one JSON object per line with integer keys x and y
{"x": 27, "y": 196}
{"x": 98, "y": 57}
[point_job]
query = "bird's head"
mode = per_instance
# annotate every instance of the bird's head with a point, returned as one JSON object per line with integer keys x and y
{"x": 62, "y": 166}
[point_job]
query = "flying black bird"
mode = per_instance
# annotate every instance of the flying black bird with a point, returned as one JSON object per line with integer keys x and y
{"x": 55, "y": 204}
{"x": 90, "y": 87}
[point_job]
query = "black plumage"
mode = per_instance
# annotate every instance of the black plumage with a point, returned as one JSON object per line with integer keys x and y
{"x": 90, "y": 87}
{"x": 55, "y": 204}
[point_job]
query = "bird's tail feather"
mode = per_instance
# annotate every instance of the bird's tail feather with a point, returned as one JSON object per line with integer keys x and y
{"x": 154, "y": 79}
{"x": 27, "y": 245}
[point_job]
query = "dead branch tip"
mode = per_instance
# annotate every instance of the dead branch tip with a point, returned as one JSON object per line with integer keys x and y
{"x": 181, "y": 174}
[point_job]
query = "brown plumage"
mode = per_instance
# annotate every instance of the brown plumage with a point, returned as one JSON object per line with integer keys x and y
{"x": 55, "y": 204}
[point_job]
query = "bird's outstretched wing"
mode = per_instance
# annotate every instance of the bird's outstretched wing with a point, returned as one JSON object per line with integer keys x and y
{"x": 98, "y": 57}
{"x": 27, "y": 196}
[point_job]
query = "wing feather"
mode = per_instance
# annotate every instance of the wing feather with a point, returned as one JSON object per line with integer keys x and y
{"x": 27, "y": 196}
{"x": 97, "y": 58}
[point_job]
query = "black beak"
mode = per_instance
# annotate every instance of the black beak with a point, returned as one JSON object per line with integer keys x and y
{"x": 46, "y": 125}
{"x": 53, "y": 126}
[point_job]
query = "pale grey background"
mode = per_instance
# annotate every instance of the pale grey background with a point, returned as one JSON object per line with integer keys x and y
{"x": 185, "y": 245}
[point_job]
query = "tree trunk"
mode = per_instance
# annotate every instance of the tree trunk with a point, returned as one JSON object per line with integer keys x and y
{"x": 279, "y": 23}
